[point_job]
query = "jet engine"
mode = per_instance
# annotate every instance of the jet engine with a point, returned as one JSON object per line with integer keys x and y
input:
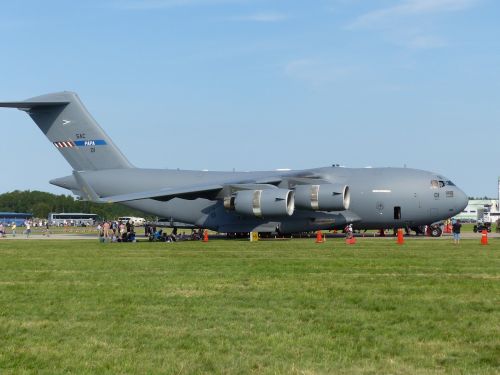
{"x": 259, "y": 203}
{"x": 326, "y": 197}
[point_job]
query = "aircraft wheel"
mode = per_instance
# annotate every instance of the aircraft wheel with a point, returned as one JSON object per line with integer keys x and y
{"x": 436, "y": 232}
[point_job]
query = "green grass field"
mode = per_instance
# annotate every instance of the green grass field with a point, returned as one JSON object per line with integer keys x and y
{"x": 235, "y": 307}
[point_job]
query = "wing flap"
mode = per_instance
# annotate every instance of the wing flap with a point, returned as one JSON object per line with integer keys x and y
{"x": 186, "y": 192}
{"x": 251, "y": 186}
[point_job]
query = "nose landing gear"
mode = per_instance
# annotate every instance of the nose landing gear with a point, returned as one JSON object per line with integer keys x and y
{"x": 433, "y": 230}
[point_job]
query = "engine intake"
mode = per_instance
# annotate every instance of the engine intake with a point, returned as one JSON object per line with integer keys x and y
{"x": 326, "y": 197}
{"x": 260, "y": 203}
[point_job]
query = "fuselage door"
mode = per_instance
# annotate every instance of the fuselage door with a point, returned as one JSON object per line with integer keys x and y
{"x": 434, "y": 212}
{"x": 397, "y": 213}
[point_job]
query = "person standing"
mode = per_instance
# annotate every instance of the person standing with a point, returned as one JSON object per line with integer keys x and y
{"x": 14, "y": 226}
{"x": 106, "y": 228}
{"x": 122, "y": 230}
{"x": 456, "y": 231}
{"x": 28, "y": 228}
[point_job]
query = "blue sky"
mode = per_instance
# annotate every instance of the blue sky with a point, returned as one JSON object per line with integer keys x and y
{"x": 261, "y": 84}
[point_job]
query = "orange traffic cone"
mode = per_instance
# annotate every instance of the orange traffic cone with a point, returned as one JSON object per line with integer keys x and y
{"x": 319, "y": 237}
{"x": 484, "y": 237}
{"x": 401, "y": 239}
{"x": 350, "y": 240}
{"x": 205, "y": 235}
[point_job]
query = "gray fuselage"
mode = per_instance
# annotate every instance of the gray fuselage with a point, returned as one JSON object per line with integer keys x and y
{"x": 380, "y": 197}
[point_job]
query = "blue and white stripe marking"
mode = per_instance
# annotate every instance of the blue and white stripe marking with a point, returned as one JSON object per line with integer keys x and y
{"x": 80, "y": 143}
{"x": 90, "y": 143}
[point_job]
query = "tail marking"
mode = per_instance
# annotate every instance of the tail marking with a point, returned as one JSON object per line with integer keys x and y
{"x": 64, "y": 144}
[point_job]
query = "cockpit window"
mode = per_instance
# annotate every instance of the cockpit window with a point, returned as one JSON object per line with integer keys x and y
{"x": 441, "y": 183}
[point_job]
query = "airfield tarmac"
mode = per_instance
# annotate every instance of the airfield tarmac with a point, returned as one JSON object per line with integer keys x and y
{"x": 87, "y": 236}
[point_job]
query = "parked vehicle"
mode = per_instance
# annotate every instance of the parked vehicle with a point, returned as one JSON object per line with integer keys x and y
{"x": 479, "y": 227}
{"x": 136, "y": 221}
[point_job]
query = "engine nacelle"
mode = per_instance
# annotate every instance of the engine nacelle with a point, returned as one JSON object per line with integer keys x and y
{"x": 326, "y": 197}
{"x": 259, "y": 203}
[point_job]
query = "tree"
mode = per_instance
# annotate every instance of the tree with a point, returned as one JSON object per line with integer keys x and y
{"x": 41, "y": 204}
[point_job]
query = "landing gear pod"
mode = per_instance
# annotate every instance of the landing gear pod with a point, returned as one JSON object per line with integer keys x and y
{"x": 326, "y": 197}
{"x": 269, "y": 202}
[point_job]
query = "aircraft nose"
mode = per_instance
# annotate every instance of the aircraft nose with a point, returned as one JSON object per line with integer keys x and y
{"x": 461, "y": 200}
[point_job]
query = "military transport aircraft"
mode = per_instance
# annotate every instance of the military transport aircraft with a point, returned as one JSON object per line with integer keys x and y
{"x": 274, "y": 201}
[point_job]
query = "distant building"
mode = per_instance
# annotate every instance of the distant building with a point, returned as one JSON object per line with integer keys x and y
{"x": 486, "y": 210}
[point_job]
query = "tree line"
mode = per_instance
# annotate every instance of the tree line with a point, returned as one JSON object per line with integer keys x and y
{"x": 40, "y": 204}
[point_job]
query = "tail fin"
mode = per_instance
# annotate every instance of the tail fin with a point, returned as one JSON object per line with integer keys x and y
{"x": 65, "y": 121}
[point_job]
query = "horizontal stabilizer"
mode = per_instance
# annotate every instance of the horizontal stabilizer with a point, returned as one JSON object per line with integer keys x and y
{"x": 29, "y": 105}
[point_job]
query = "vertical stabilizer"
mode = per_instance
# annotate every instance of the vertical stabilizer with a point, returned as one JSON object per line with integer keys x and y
{"x": 65, "y": 121}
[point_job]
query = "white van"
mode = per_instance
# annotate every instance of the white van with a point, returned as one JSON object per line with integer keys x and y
{"x": 136, "y": 221}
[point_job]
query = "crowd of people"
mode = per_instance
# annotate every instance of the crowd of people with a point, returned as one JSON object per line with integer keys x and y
{"x": 13, "y": 229}
{"x": 153, "y": 234}
{"x": 109, "y": 231}
{"x": 115, "y": 231}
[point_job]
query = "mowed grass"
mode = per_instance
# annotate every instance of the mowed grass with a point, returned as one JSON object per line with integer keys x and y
{"x": 235, "y": 307}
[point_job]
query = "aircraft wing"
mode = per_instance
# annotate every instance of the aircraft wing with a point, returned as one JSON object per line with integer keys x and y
{"x": 208, "y": 191}
{"x": 188, "y": 192}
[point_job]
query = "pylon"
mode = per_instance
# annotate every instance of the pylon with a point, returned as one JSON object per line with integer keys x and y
{"x": 205, "y": 235}
{"x": 484, "y": 237}
{"x": 401, "y": 239}
{"x": 319, "y": 237}
{"x": 350, "y": 241}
